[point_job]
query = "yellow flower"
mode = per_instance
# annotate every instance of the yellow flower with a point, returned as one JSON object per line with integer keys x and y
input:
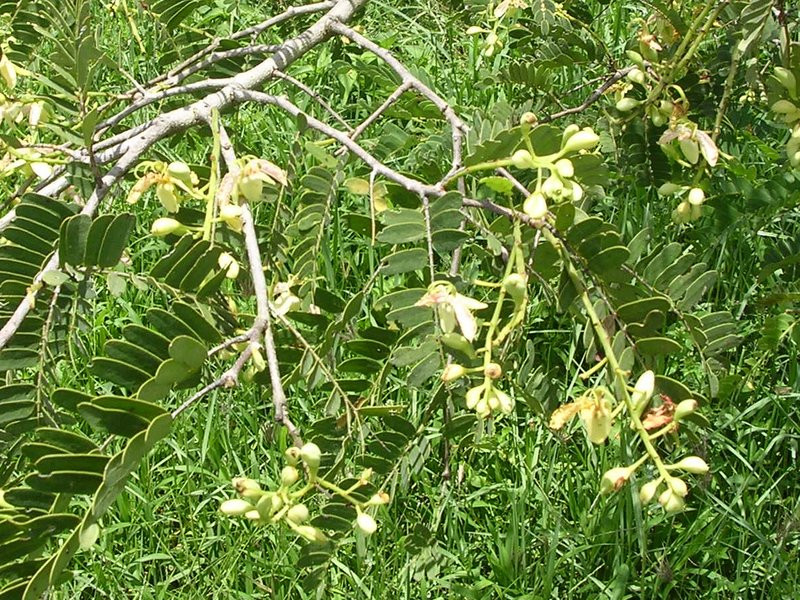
{"x": 453, "y": 308}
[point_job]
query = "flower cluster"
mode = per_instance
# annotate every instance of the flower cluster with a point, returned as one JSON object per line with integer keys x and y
{"x": 788, "y": 111}
{"x": 285, "y": 504}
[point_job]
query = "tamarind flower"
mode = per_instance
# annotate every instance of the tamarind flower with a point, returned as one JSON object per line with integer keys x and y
{"x": 8, "y": 71}
{"x": 453, "y": 308}
{"x": 595, "y": 410}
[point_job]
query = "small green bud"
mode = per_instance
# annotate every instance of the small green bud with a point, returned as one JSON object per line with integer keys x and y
{"x": 690, "y": 150}
{"x": 247, "y": 488}
{"x": 552, "y": 187}
{"x": 264, "y": 506}
{"x": 684, "y": 409}
{"x": 227, "y": 262}
{"x": 565, "y": 168}
{"x": 636, "y": 76}
{"x": 493, "y": 371}
{"x": 528, "y": 119}
{"x": 298, "y": 513}
{"x": 505, "y": 402}
{"x": 635, "y": 58}
{"x": 678, "y": 486}
{"x": 165, "y": 226}
{"x": 627, "y": 104}
{"x": 452, "y": 372}
{"x": 692, "y": 464}
{"x": 311, "y": 455}
{"x": 671, "y": 501}
{"x": 180, "y": 171}
{"x": 668, "y": 189}
{"x": 289, "y": 476}
{"x": 585, "y": 139}
{"x": 535, "y": 206}
{"x": 568, "y": 133}
{"x": 648, "y": 491}
{"x": 696, "y": 196}
{"x": 312, "y": 534}
{"x": 235, "y": 507}
{"x": 613, "y": 479}
{"x": 516, "y": 286}
{"x": 683, "y": 213}
{"x": 522, "y": 159}
{"x": 251, "y": 187}
{"x": 643, "y": 391}
{"x": 366, "y": 524}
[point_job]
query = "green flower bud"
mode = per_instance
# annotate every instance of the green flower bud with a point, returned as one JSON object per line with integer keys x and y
{"x": 682, "y": 213}
{"x": 535, "y": 206}
{"x": 227, "y": 262}
{"x": 696, "y": 211}
{"x": 516, "y": 286}
{"x": 493, "y": 371}
{"x": 684, "y": 409}
{"x": 696, "y": 196}
{"x": 247, "y": 488}
{"x": 678, "y": 486}
{"x": 167, "y": 196}
{"x": 613, "y": 479}
{"x": 289, "y": 476}
{"x": 577, "y": 192}
{"x": 635, "y": 58}
{"x": 671, "y": 501}
{"x": 529, "y": 119}
{"x": 522, "y": 159}
{"x": 585, "y": 139}
{"x": 165, "y": 226}
{"x": 298, "y": 513}
{"x": 649, "y": 490}
{"x": 627, "y": 104}
{"x": 505, "y": 402}
{"x": 235, "y": 507}
{"x": 311, "y": 455}
{"x": 692, "y": 464}
{"x": 643, "y": 391}
{"x": 568, "y": 133}
{"x": 636, "y": 76}
{"x": 474, "y": 396}
{"x": 378, "y": 499}
{"x": 564, "y": 168}
{"x": 552, "y": 187}
{"x": 668, "y": 189}
{"x": 180, "y": 171}
{"x": 366, "y": 524}
{"x": 312, "y": 534}
{"x": 265, "y": 505}
{"x": 452, "y": 372}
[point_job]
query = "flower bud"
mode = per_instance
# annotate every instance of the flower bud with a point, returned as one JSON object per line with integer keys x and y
{"x": 227, "y": 262}
{"x": 311, "y": 455}
{"x": 669, "y": 188}
{"x": 516, "y": 286}
{"x": 180, "y": 171}
{"x": 474, "y": 396}
{"x": 482, "y": 408}
{"x": 678, "y": 486}
{"x": 8, "y": 72}
{"x": 636, "y": 76}
{"x": 535, "y": 206}
{"x": 506, "y": 402}
{"x": 522, "y": 159}
{"x": 289, "y": 476}
{"x": 585, "y": 139}
{"x": 671, "y": 501}
{"x": 627, "y": 104}
{"x": 577, "y": 192}
{"x": 683, "y": 213}
{"x": 565, "y": 168}
{"x": 696, "y": 196}
{"x": 613, "y": 479}
{"x": 643, "y": 391}
{"x": 165, "y": 226}
{"x": 649, "y": 490}
{"x": 783, "y": 107}
{"x": 635, "y": 58}
{"x": 247, "y": 488}
{"x": 692, "y": 464}
{"x": 528, "y": 118}
{"x": 35, "y": 113}
{"x": 787, "y": 79}
{"x": 684, "y": 409}
{"x": 366, "y": 524}
{"x": 166, "y": 195}
{"x": 552, "y": 187}
{"x": 312, "y": 534}
{"x": 378, "y": 499}
{"x": 493, "y": 371}
{"x": 235, "y": 507}
{"x": 452, "y": 372}
{"x": 264, "y": 505}
{"x": 292, "y": 455}
{"x": 298, "y": 513}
